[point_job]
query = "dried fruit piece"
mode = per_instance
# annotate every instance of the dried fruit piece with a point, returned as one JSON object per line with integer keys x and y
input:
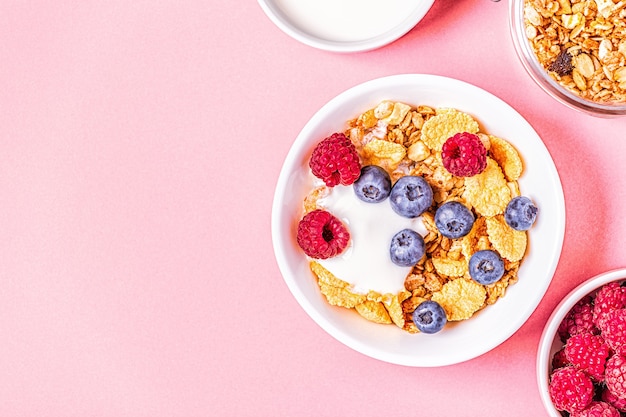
{"x": 562, "y": 65}
{"x": 460, "y": 298}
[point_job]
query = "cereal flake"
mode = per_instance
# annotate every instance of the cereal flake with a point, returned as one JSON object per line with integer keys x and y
{"x": 510, "y": 243}
{"x": 460, "y": 298}
{"x": 488, "y": 192}
{"x": 445, "y": 124}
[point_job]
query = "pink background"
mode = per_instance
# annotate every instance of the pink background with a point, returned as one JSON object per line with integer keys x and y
{"x": 140, "y": 145}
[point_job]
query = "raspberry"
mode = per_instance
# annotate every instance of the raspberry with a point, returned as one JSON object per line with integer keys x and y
{"x": 614, "y": 330}
{"x": 321, "y": 235}
{"x": 610, "y": 297}
{"x": 615, "y": 376}
{"x": 608, "y": 397}
{"x": 464, "y": 155}
{"x": 578, "y": 320}
{"x": 559, "y": 359}
{"x": 570, "y": 389}
{"x": 588, "y": 353}
{"x": 335, "y": 161}
{"x": 597, "y": 409}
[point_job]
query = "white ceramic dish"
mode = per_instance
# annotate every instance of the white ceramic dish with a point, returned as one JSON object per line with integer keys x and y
{"x": 551, "y": 343}
{"x": 345, "y": 25}
{"x": 488, "y": 328}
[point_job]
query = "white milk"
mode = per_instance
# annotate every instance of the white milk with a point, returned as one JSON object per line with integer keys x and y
{"x": 347, "y": 20}
{"x": 366, "y": 263}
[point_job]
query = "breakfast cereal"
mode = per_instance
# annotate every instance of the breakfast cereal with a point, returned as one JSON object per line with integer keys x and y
{"x": 582, "y": 45}
{"x": 406, "y": 140}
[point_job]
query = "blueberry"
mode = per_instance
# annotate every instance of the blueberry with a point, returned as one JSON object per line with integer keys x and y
{"x": 429, "y": 317}
{"x": 374, "y": 184}
{"x": 411, "y": 196}
{"x": 406, "y": 248}
{"x": 520, "y": 213}
{"x": 454, "y": 220}
{"x": 486, "y": 267}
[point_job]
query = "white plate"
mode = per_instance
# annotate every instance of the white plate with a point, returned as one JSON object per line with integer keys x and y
{"x": 488, "y": 328}
{"x": 345, "y": 25}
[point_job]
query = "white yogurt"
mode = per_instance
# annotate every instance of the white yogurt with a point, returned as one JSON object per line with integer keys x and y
{"x": 366, "y": 263}
{"x": 347, "y": 20}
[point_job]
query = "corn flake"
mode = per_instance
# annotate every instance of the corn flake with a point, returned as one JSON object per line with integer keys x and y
{"x": 460, "y": 298}
{"x": 399, "y": 112}
{"x": 445, "y": 124}
{"x": 325, "y": 276}
{"x": 383, "y": 153}
{"x": 373, "y": 311}
{"x": 335, "y": 290}
{"x": 393, "y": 304}
{"x": 450, "y": 267}
{"x": 507, "y": 157}
{"x": 471, "y": 242}
{"x": 488, "y": 191}
{"x": 340, "y": 296}
{"x": 510, "y": 243}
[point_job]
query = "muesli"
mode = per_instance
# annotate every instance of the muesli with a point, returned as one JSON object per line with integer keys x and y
{"x": 455, "y": 186}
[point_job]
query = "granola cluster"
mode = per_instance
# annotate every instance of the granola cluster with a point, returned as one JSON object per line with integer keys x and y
{"x": 407, "y": 140}
{"x": 582, "y": 45}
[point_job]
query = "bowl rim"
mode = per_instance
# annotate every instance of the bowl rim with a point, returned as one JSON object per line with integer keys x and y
{"x": 540, "y": 76}
{"x": 549, "y": 332}
{"x": 273, "y": 12}
{"x": 369, "y": 90}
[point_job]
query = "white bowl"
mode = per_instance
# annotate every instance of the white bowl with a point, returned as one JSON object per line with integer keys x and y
{"x": 488, "y": 328}
{"x": 347, "y": 25}
{"x": 550, "y": 342}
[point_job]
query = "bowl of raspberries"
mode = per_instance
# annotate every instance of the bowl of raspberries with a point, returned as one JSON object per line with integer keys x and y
{"x": 581, "y": 365}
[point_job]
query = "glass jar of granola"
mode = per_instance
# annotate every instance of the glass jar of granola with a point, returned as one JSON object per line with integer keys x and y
{"x": 575, "y": 50}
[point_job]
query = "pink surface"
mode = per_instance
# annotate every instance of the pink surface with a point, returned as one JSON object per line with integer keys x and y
{"x": 140, "y": 145}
